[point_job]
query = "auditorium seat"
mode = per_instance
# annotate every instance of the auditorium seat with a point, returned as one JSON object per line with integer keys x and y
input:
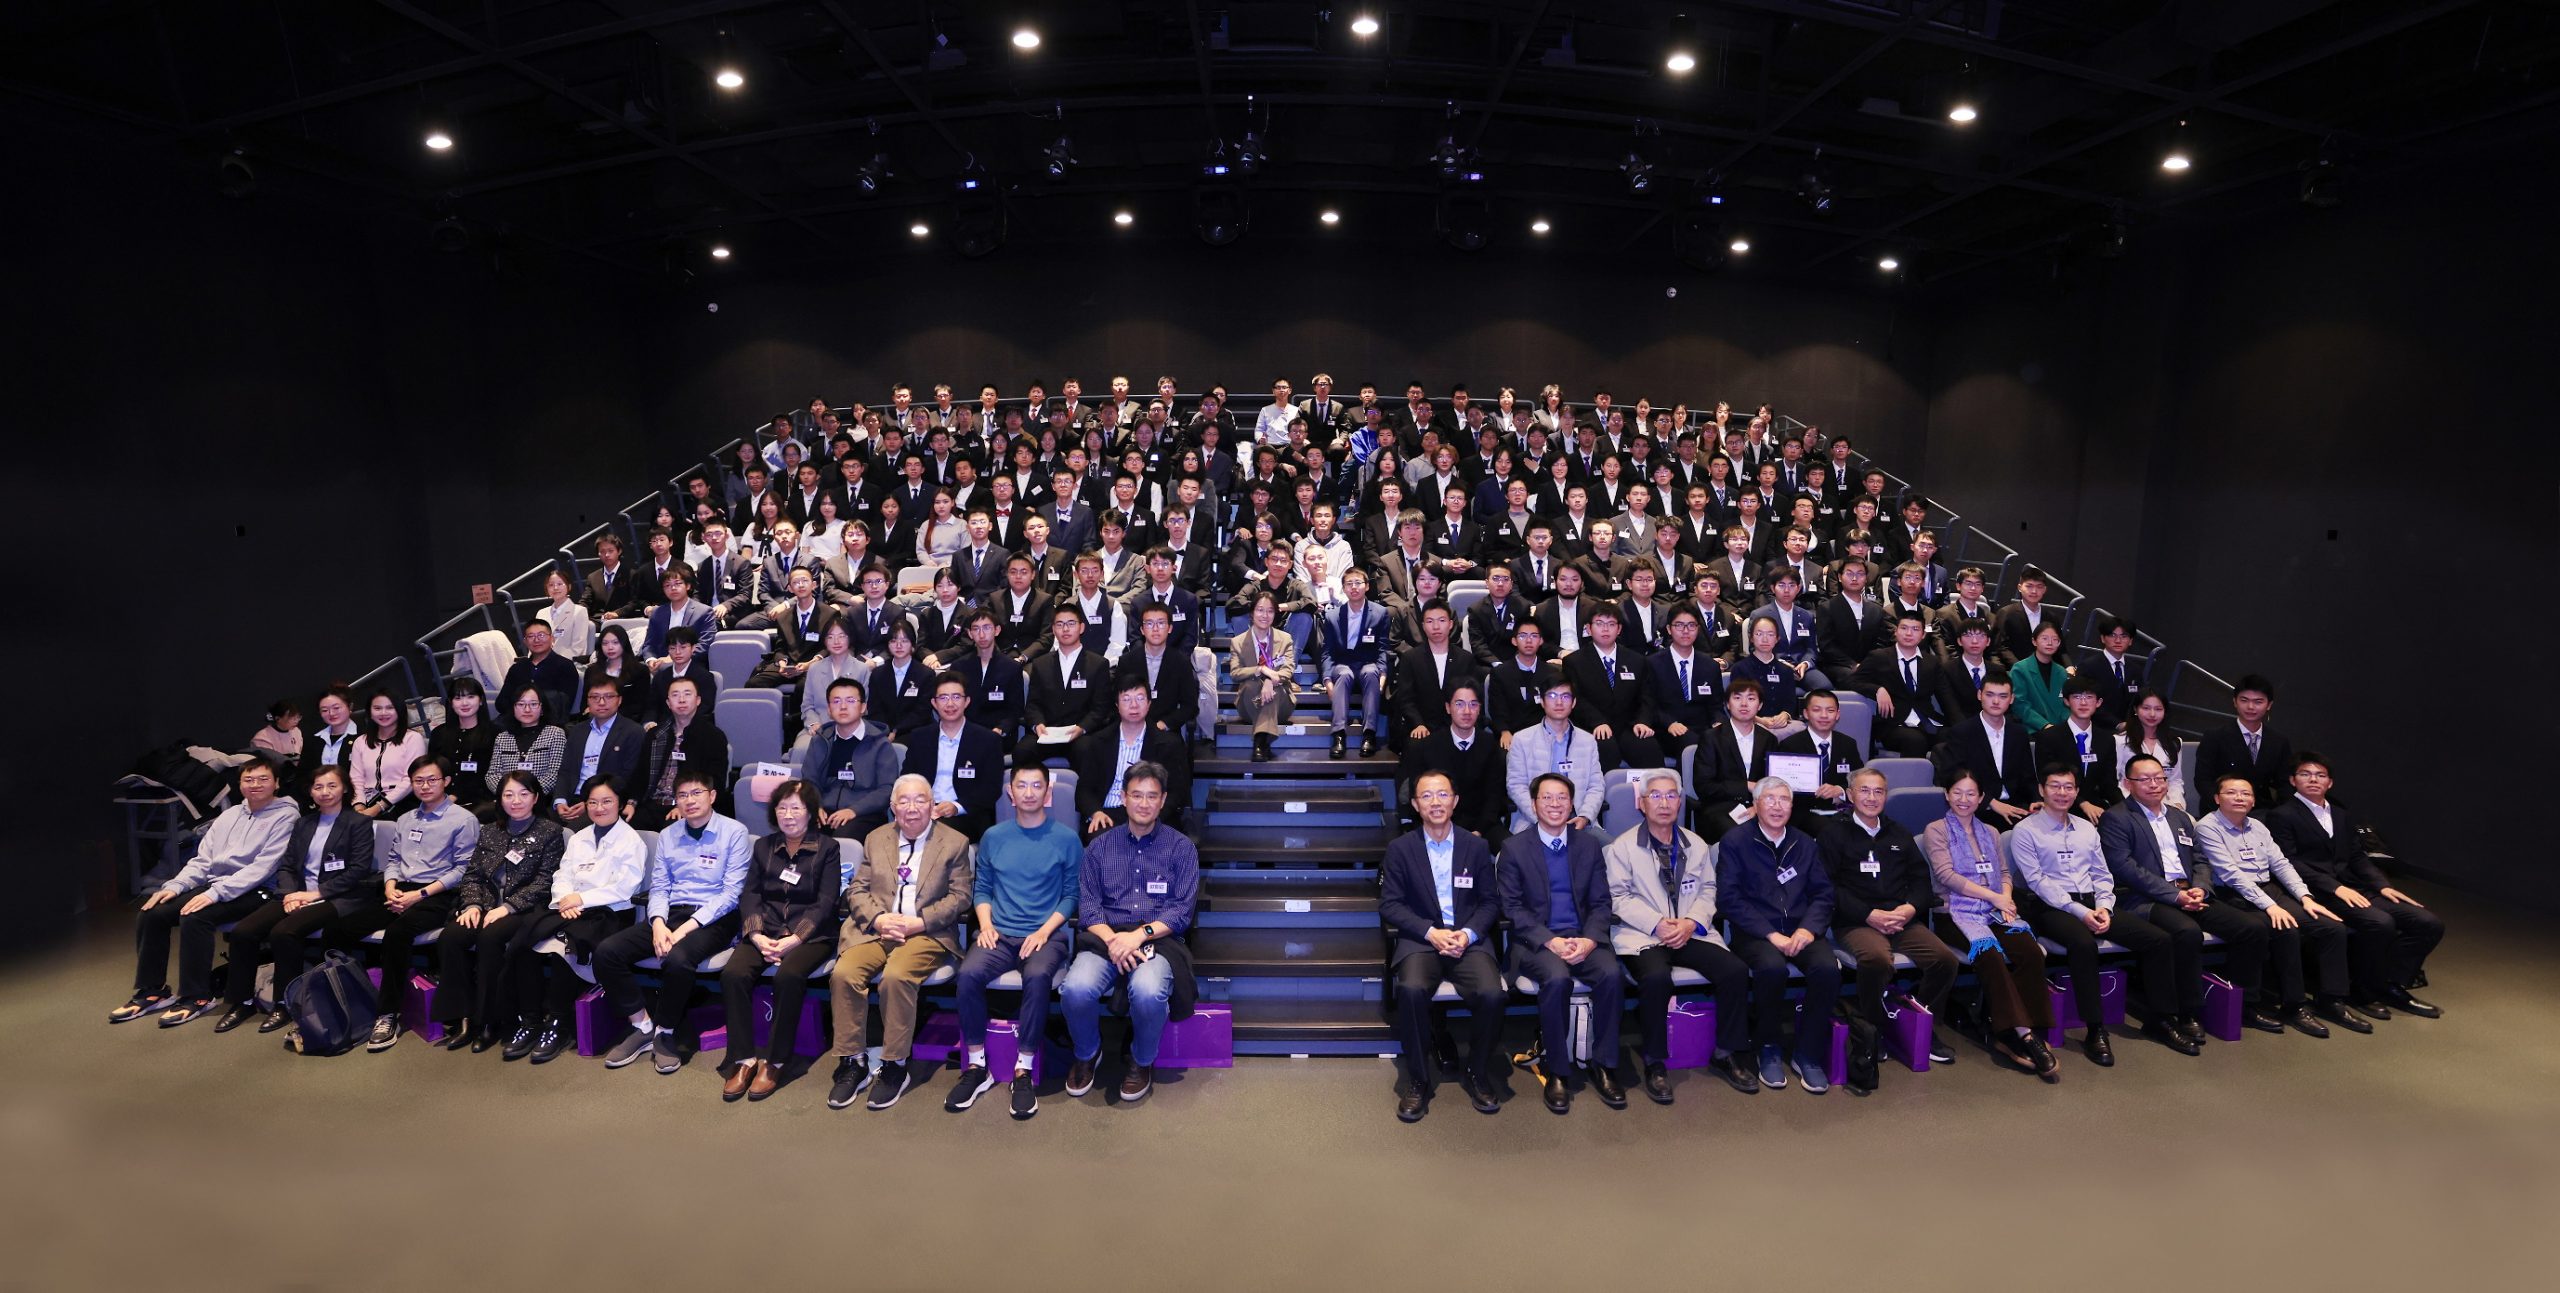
{"x": 1062, "y": 797}
{"x": 752, "y": 720}
{"x": 1901, "y": 773}
{"x": 1857, "y": 719}
{"x": 735, "y": 655}
{"x": 1914, "y": 807}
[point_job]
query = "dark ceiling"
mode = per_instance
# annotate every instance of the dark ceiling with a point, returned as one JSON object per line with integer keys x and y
{"x": 594, "y": 126}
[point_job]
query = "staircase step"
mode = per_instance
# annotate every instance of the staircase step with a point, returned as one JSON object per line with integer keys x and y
{"x": 1310, "y": 761}
{"x": 1244, "y": 892}
{"x": 1304, "y": 953}
{"x": 1312, "y": 1021}
{"x": 1299, "y": 846}
{"x": 1321, "y": 797}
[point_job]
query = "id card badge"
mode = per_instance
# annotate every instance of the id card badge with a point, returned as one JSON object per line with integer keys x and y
{"x": 791, "y": 874}
{"x": 1786, "y": 875}
{"x": 1077, "y": 682}
{"x": 332, "y": 864}
{"x": 995, "y": 693}
{"x": 1871, "y": 866}
{"x": 514, "y": 856}
{"x": 467, "y": 765}
{"x": 844, "y": 774}
{"x": 417, "y": 835}
{"x": 1158, "y": 888}
{"x": 965, "y": 773}
{"x": 1462, "y": 882}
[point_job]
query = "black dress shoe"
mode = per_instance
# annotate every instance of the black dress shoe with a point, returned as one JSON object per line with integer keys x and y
{"x": 489, "y": 1040}
{"x": 1479, "y": 1091}
{"x": 2417, "y": 979}
{"x": 1559, "y": 1096}
{"x": 1735, "y": 1073}
{"x": 2167, "y": 1034}
{"x": 1340, "y": 748}
{"x": 2262, "y": 1019}
{"x": 2193, "y": 1031}
{"x": 552, "y": 1040}
{"x": 276, "y": 1019}
{"x": 2372, "y": 1009}
{"x": 1604, "y": 1079}
{"x": 1368, "y": 745}
{"x": 519, "y": 1044}
{"x": 1262, "y": 748}
{"x": 1415, "y": 1103}
{"x": 2404, "y": 1003}
{"x": 459, "y": 1035}
{"x": 2101, "y": 1052}
{"x": 2337, "y": 1012}
{"x": 1657, "y": 1082}
{"x": 240, "y": 1013}
{"x": 2303, "y": 1023}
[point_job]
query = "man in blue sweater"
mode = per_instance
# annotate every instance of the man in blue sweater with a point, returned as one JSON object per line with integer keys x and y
{"x": 1028, "y": 870}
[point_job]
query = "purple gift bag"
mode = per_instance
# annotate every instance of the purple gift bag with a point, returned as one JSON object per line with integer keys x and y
{"x": 1207, "y": 1040}
{"x": 1906, "y": 1033}
{"x": 2222, "y": 1006}
{"x": 2066, "y": 1006}
{"x": 418, "y": 1013}
{"x": 1692, "y": 1033}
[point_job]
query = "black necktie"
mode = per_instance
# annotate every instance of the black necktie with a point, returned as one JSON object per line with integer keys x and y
{"x": 1911, "y": 675}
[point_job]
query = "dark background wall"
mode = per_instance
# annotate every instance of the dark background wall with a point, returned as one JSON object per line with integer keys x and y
{"x": 276, "y": 438}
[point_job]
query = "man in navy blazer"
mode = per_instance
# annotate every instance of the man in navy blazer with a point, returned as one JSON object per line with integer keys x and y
{"x": 1770, "y": 882}
{"x": 606, "y": 745}
{"x": 967, "y": 802}
{"x": 1555, "y": 892}
{"x": 1438, "y": 897}
{"x": 2173, "y": 889}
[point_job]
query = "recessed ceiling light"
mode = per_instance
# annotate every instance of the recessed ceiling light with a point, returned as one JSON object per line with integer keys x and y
{"x": 1739, "y": 245}
{"x": 1331, "y": 217}
{"x": 1123, "y": 219}
{"x": 729, "y": 78}
{"x": 1888, "y": 264}
{"x": 1539, "y": 226}
{"x": 919, "y": 228}
{"x": 1961, "y": 113}
{"x": 719, "y": 251}
{"x": 439, "y": 141}
{"x": 2175, "y": 161}
{"x": 1364, "y": 25}
{"x": 1680, "y": 61}
{"x": 1025, "y": 38}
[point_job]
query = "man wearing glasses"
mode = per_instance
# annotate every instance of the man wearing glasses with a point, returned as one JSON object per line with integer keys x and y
{"x": 1662, "y": 894}
{"x": 1439, "y": 899}
{"x": 1555, "y": 747}
{"x": 1140, "y": 883}
{"x": 695, "y": 876}
{"x": 902, "y": 922}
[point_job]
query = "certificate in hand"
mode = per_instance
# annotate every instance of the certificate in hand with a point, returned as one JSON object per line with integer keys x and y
{"x": 1801, "y": 771}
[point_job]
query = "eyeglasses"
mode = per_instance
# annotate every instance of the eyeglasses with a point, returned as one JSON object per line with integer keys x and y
{"x": 1661, "y": 796}
{"x": 2147, "y": 779}
{"x": 1434, "y": 796}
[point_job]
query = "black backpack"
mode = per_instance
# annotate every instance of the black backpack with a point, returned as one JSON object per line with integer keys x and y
{"x": 332, "y": 1006}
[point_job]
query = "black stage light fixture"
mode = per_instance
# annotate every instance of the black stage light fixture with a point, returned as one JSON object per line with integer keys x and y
{"x": 976, "y": 225}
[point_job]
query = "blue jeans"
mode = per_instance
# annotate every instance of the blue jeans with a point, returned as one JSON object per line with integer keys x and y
{"x": 984, "y": 965}
{"x": 1090, "y": 979}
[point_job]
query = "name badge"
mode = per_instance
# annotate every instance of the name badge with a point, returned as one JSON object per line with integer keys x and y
{"x": 1626, "y": 675}
{"x": 844, "y": 774}
{"x": 1158, "y": 887}
{"x": 2183, "y": 839}
{"x": 1462, "y": 882}
{"x": 1706, "y": 689}
{"x": 1017, "y": 617}
{"x": 1179, "y": 617}
{"x": 1982, "y": 868}
{"x": 467, "y": 765}
{"x": 1076, "y": 682}
{"x": 1787, "y": 875}
{"x": 1871, "y": 866}
{"x": 514, "y": 856}
{"x": 332, "y": 864}
{"x": 965, "y": 773}
{"x": 417, "y": 835}
{"x": 524, "y": 765}
{"x": 679, "y": 756}
{"x": 1688, "y": 884}
{"x": 910, "y": 691}
{"x": 1842, "y": 769}
{"x": 791, "y": 875}
{"x": 995, "y": 693}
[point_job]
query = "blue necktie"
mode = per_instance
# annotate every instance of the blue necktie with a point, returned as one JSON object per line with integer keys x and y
{"x": 1555, "y": 848}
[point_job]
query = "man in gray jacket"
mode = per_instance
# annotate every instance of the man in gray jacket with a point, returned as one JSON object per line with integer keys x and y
{"x": 1662, "y": 897}
{"x": 226, "y": 880}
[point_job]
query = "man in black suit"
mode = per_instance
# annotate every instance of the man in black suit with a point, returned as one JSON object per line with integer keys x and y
{"x": 998, "y": 688}
{"x": 2088, "y": 746}
{"x": 1102, "y": 756}
{"x": 613, "y": 588}
{"x": 1071, "y": 685}
{"x": 1426, "y": 673}
{"x": 759, "y": 484}
{"x": 1470, "y": 754}
{"x": 1908, "y": 686}
{"x": 979, "y": 564}
{"x": 1020, "y": 608}
{"x": 2121, "y": 676}
{"x": 2013, "y": 630}
{"x": 1490, "y": 620}
{"x": 964, "y": 761}
{"x": 2163, "y": 876}
{"x": 725, "y": 579}
{"x": 605, "y": 745}
{"x": 1438, "y": 897}
{"x": 1071, "y": 520}
{"x": 1555, "y": 892}
{"x": 1194, "y": 567}
{"x": 1848, "y": 627}
{"x": 2389, "y": 933}
{"x": 1609, "y": 695}
{"x": 1182, "y": 608}
{"x": 1683, "y": 685}
{"x": 1453, "y": 536}
{"x": 1998, "y": 752}
{"x": 1328, "y": 419}
{"x": 1533, "y": 572}
{"x": 1836, "y": 754}
{"x": 800, "y": 633}
{"x": 1173, "y": 690}
{"x": 2248, "y": 746}
{"x": 1732, "y": 758}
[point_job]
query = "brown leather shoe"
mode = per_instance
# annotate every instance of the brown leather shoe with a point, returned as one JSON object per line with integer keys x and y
{"x": 740, "y": 1078}
{"x": 1134, "y": 1085}
{"x": 768, "y": 1080}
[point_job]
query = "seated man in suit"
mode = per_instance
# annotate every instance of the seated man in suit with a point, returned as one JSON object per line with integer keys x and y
{"x": 2248, "y": 746}
{"x": 2162, "y": 875}
{"x": 2085, "y": 744}
{"x": 1554, "y": 746}
{"x": 2389, "y": 933}
{"x": 800, "y": 627}
{"x": 612, "y": 591}
{"x": 1182, "y": 608}
{"x": 1732, "y": 758}
{"x": 997, "y": 687}
{"x": 1355, "y": 658}
{"x": 1662, "y": 902}
{"x": 1611, "y": 704}
{"x": 1555, "y": 892}
{"x": 1998, "y": 752}
{"x": 1683, "y": 684}
{"x": 979, "y": 564}
{"x": 2119, "y": 675}
{"x": 1849, "y": 627}
{"x": 1908, "y": 686}
{"x": 1771, "y": 884}
{"x": 1167, "y": 674}
{"x": 1021, "y": 609}
{"x": 1426, "y": 672}
{"x": 1102, "y": 759}
{"x": 605, "y": 745}
{"x": 1834, "y": 751}
{"x": 1069, "y": 687}
{"x": 1472, "y": 758}
{"x": 1490, "y": 620}
{"x": 963, "y": 761}
{"x": 851, "y": 762}
{"x": 903, "y": 904}
{"x": 1439, "y": 897}
{"x": 2248, "y": 866}
{"x": 1881, "y": 899}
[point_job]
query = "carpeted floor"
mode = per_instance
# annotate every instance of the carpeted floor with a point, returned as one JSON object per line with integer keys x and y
{"x": 2426, "y": 1154}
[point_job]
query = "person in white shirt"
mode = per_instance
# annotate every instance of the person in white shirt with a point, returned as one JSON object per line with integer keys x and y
{"x": 1271, "y": 425}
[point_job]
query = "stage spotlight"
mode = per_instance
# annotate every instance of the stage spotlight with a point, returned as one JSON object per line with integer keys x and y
{"x": 1738, "y": 246}
{"x": 975, "y": 225}
{"x": 1888, "y": 264}
{"x": 2176, "y": 161}
{"x": 1124, "y": 219}
{"x": 1330, "y": 216}
{"x": 719, "y": 251}
{"x": 1961, "y": 113}
{"x": 1060, "y": 156}
{"x": 2324, "y": 184}
{"x": 439, "y": 141}
{"x": 1219, "y": 214}
{"x": 1680, "y": 62}
{"x": 729, "y": 78}
{"x": 1364, "y": 25}
{"x": 920, "y": 229}
{"x": 1025, "y": 38}
{"x": 1463, "y": 219}
{"x": 1638, "y": 171}
{"x": 233, "y": 177}
{"x": 1540, "y": 225}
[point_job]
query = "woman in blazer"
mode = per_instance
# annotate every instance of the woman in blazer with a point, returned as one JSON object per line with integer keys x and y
{"x": 790, "y": 907}
{"x": 467, "y": 738}
{"x": 323, "y": 875}
{"x": 1263, "y": 660}
{"x": 509, "y": 877}
{"x": 603, "y": 863}
{"x": 895, "y": 695}
{"x": 530, "y": 742}
{"x": 2039, "y": 682}
{"x": 1970, "y": 872}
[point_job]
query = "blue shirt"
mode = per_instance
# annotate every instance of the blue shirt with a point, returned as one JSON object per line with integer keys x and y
{"x": 594, "y": 749}
{"x": 1128, "y": 881}
{"x": 428, "y": 848}
{"x": 704, "y": 870}
{"x": 1026, "y": 876}
{"x": 319, "y": 851}
{"x": 1444, "y": 873}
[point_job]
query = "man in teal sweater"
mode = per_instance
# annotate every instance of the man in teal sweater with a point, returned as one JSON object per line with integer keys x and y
{"x": 1026, "y": 893}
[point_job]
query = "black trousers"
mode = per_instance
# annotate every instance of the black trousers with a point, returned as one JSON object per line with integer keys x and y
{"x": 472, "y": 967}
{"x": 1625, "y": 749}
{"x": 399, "y": 934}
{"x": 195, "y": 942}
{"x": 791, "y": 975}
{"x": 1821, "y": 967}
{"x": 548, "y": 979}
{"x": 2244, "y": 938}
{"x": 1726, "y": 976}
{"x": 1479, "y": 984}
{"x": 616, "y": 960}
{"x": 272, "y": 934}
{"x": 1904, "y": 742}
{"x": 1555, "y": 979}
{"x": 2387, "y": 943}
{"x": 2319, "y": 960}
{"x": 2154, "y": 961}
{"x": 1935, "y": 961}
